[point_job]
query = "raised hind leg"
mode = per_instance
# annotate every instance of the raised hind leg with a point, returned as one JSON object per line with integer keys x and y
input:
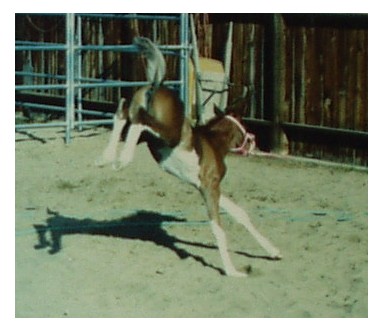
{"x": 119, "y": 121}
{"x": 128, "y": 151}
{"x": 242, "y": 217}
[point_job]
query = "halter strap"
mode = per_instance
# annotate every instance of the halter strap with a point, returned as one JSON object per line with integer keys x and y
{"x": 237, "y": 123}
{"x": 249, "y": 138}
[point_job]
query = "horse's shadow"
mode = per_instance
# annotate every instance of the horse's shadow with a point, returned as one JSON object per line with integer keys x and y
{"x": 143, "y": 225}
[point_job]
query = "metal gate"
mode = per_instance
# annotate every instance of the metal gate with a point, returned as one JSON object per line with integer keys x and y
{"x": 73, "y": 83}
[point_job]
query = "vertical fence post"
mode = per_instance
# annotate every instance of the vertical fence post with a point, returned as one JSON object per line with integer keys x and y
{"x": 184, "y": 61}
{"x": 78, "y": 72}
{"x": 70, "y": 74}
{"x": 197, "y": 73}
{"x": 275, "y": 90}
{"x": 252, "y": 73}
{"x": 227, "y": 66}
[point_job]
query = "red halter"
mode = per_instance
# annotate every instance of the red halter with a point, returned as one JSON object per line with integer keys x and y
{"x": 249, "y": 138}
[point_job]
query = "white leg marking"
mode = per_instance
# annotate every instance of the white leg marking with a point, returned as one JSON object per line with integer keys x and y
{"x": 222, "y": 246}
{"x": 109, "y": 153}
{"x": 242, "y": 217}
{"x": 128, "y": 151}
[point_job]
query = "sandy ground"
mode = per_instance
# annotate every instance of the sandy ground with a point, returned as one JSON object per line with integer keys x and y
{"x": 92, "y": 242}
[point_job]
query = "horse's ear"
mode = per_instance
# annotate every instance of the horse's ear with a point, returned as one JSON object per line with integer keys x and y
{"x": 235, "y": 111}
{"x": 218, "y": 112}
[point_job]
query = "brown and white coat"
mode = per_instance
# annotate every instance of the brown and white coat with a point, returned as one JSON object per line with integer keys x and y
{"x": 193, "y": 154}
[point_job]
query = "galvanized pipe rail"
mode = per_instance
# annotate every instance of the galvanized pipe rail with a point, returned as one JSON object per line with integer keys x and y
{"x": 73, "y": 80}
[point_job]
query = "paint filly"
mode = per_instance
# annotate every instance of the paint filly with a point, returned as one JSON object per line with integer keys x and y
{"x": 193, "y": 154}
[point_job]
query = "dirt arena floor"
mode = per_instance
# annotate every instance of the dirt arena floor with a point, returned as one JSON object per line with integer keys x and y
{"x": 93, "y": 242}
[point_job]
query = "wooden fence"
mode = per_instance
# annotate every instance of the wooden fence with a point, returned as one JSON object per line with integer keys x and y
{"x": 307, "y": 74}
{"x": 308, "y": 78}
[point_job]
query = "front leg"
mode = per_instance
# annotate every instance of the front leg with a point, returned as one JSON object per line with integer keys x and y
{"x": 211, "y": 195}
{"x": 128, "y": 151}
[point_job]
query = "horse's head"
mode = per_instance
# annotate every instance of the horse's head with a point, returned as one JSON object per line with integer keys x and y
{"x": 244, "y": 142}
{"x": 238, "y": 139}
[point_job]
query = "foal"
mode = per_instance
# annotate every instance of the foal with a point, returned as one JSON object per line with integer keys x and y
{"x": 193, "y": 154}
